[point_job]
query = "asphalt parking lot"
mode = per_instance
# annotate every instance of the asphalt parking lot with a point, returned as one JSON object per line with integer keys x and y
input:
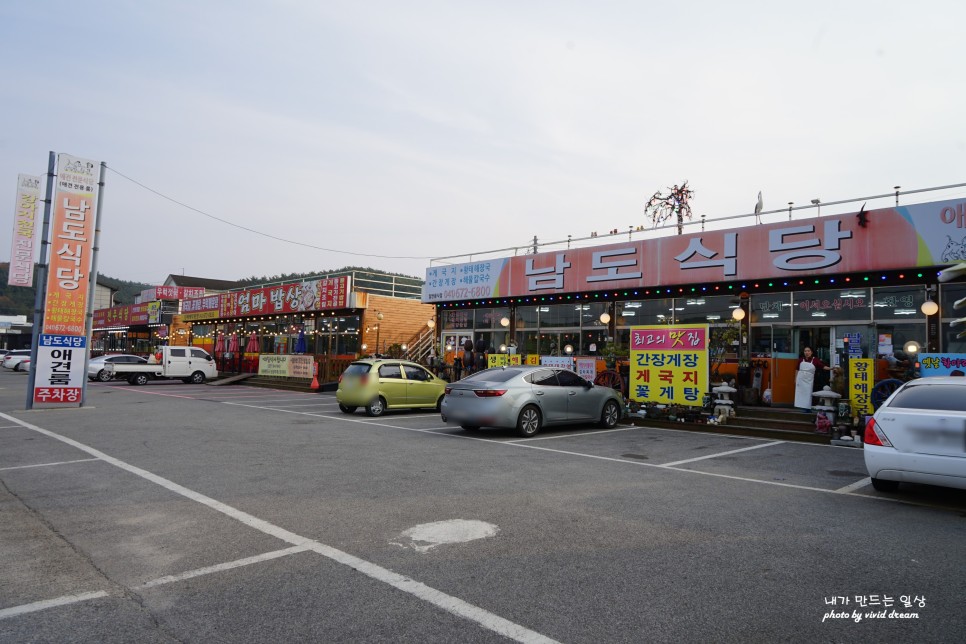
{"x": 176, "y": 512}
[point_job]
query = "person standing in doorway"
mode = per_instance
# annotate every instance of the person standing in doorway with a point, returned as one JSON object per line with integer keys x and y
{"x": 808, "y": 365}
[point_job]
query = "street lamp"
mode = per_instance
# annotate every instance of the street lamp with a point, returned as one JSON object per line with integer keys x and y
{"x": 379, "y": 317}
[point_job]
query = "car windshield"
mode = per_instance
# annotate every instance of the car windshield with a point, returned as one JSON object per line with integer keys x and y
{"x": 935, "y": 396}
{"x": 491, "y": 375}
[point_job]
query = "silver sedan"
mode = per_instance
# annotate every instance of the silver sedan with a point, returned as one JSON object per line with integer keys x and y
{"x": 528, "y": 398}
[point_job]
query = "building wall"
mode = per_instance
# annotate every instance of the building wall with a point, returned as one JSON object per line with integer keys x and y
{"x": 103, "y": 297}
{"x": 403, "y": 318}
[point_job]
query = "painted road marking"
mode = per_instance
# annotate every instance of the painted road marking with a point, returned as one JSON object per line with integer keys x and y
{"x": 24, "y": 467}
{"x": 858, "y": 485}
{"x": 230, "y": 565}
{"x": 50, "y": 603}
{"x": 449, "y": 603}
{"x": 734, "y": 451}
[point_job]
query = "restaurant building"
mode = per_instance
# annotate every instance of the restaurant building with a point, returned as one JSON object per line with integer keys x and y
{"x": 849, "y": 285}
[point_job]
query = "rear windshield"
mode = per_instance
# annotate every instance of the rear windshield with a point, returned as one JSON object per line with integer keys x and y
{"x": 937, "y": 397}
{"x": 491, "y": 375}
{"x": 358, "y": 369}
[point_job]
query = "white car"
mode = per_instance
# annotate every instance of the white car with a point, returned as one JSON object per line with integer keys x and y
{"x": 13, "y": 359}
{"x": 95, "y": 367}
{"x": 918, "y": 435}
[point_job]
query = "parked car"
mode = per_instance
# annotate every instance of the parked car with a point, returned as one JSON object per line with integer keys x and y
{"x": 528, "y": 398}
{"x": 12, "y": 359}
{"x": 95, "y": 366}
{"x": 23, "y": 365}
{"x": 380, "y": 384}
{"x": 918, "y": 435}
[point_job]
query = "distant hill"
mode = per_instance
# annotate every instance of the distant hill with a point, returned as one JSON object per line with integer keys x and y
{"x": 18, "y": 300}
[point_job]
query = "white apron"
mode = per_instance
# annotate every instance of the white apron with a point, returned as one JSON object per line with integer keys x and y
{"x": 804, "y": 381}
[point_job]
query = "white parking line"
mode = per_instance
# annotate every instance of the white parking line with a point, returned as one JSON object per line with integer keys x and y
{"x": 24, "y": 467}
{"x": 734, "y": 451}
{"x": 858, "y": 485}
{"x": 50, "y": 603}
{"x": 449, "y": 603}
{"x": 230, "y": 565}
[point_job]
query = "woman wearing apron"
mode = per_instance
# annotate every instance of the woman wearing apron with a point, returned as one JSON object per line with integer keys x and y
{"x": 808, "y": 365}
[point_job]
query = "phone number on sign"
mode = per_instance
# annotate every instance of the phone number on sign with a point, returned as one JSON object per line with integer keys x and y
{"x": 461, "y": 293}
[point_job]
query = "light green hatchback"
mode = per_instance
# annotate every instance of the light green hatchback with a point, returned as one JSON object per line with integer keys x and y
{"x": 380, "y": 384}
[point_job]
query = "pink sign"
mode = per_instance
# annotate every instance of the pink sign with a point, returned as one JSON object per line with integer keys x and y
{"x": 24, "y": 231}
{"x": 676, "y": 338}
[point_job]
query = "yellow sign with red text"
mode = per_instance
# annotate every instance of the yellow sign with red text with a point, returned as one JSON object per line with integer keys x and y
{"x": 669, "y": 364}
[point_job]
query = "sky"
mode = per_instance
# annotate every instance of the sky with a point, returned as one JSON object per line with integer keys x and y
{"x": 385, "y": 134}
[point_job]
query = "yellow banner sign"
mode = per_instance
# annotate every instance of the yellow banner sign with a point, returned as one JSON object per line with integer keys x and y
{"x": 861, "y": 381}
{"x": 501, "y": 360}
{"x": 669, "y": 363}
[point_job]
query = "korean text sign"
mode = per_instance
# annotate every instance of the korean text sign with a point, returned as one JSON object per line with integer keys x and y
{"x": 669, "y": 364}
{"x": 60, "y": 369}
{"x": 71, "y": 246}
{"x": 24, "y": 231}
{"x": 861, "y": 381}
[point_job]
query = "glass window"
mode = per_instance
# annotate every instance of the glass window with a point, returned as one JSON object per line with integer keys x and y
{"x": 556, "y": 315}
{"x": 771, "y": 308}
{"x": 179, "y": 353}
{"x": 198, "y": 353}
{"x": 891, "y": 338}
{"x": 933, "y": 396}
{"x": 643, "y": 313}
{"x": 569, "y": 379}
{"x": 704, "y": 309}
{"x": 416, "y": 373}
{"x": 458, "y": 319}
{"x": 357, "y": 369}
{"x": 526, "y": 317}
{"x": 491, "y": 318}
{"x": 390, "y": 371}
{"x": 544, "y": 377}
{"x": 949, "y": 294}
{"x": 835, "y": 305}
{"x": 895, "y": 303}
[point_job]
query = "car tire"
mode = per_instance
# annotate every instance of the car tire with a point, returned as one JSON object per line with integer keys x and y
{"x": 347, "y": 409}
{"x": 470, "y": 428}
{"x": 197, "y": 378}
{"x": 883, "y": 485}
{"x": 529, "y": 422}
{"x": 439, "y": 404}
{"x": 139, "y": 379}
{"x": 377, "y": 407}
{"x": 16, "y": 367}
{"x": 610, "y": 415}
{"x": 103, "y": 376}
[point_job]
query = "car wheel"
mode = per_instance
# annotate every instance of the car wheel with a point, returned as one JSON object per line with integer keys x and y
{"x": 439, "y": 404}
{"x": 103, "y": 376}
{"x": 139, "y": 379}
{"x": 376, "y": 407}
{"x": 197, "y": 378}
{"x": 470, "y": 428}
{"x": 883, "y": 485}
{"x": 16, "y": 367}
{"x": 347, "y": 409}
{"x": 529, "y": 421}
{"x": 610, "y": 415}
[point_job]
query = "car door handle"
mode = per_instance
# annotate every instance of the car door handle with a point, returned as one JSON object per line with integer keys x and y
{"x": 573, "y": 393}
{"x": 539, "y": 393}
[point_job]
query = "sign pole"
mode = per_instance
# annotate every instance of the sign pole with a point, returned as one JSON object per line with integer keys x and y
{"x": 89, "y": 322}
{"x": 41, "y": 284}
